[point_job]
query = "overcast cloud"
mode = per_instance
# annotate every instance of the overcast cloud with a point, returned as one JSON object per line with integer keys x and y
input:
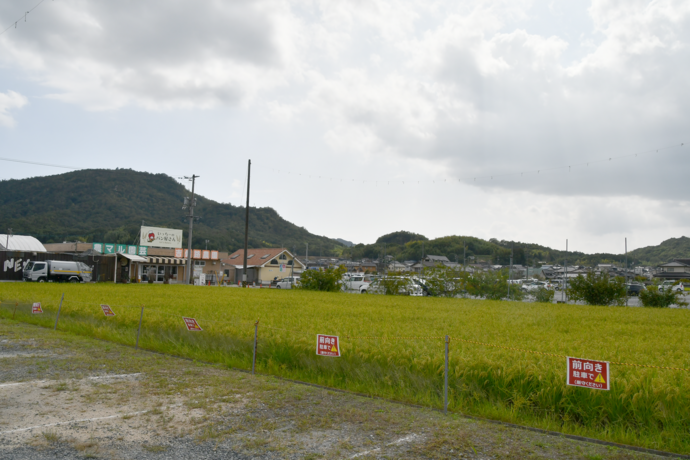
{"x": 354, "y": 95}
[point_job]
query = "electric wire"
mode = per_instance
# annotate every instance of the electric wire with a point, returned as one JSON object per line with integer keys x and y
{"x": 24, "y": 16}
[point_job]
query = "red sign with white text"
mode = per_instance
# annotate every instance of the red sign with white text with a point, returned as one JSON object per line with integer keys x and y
{"x": 36, "y": 308}
{"x": 107, "y": 311}
{"x": 191, "y": 324}
{"x": 588, "y": 374}
{"x": 327, "y": 345}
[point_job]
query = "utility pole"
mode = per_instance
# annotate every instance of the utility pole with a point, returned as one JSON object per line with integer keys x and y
{"x": 191, "y": 204}
{"x": 626, "y": 266}
{"x": 565, "y": 284}
{"x": 7, "y": 242}
{"x": 246, "y": 228}
{"x": 464, "y": 256}
{"x": 307, "y": 255}
{"x": 510, "y": 270}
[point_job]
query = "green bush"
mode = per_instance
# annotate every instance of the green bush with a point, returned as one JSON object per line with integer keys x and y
{"x": 445, "y": 281}
{"x": 492, "y": 285}
{"x": 598, "y": 289}
{"x": 396, "y": 284}
{"x": 653, "y": 297}
{"x": 329, "y": 279}
{"x": 543, "y": 295}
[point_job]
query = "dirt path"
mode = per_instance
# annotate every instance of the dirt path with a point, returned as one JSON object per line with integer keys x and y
{"x": 69, "y": 397}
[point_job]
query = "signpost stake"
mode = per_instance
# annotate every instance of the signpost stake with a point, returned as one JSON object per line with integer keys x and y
{"x": 136, "y": 347}
{"x": 59, "y": 308}
{"x": 445, "y": 387}
{"x": 256, "y": 333}
{"x": 15, "y": 309}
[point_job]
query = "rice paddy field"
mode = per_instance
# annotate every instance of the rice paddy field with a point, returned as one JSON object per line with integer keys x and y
{"x": 393, "y": 347}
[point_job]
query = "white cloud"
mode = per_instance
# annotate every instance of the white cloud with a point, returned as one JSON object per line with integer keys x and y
{"x": 8, "y": 101}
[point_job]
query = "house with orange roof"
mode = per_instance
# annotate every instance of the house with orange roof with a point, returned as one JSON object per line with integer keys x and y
{"x": 263, "y": 265}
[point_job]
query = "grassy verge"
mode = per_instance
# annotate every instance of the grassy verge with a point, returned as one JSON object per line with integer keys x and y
{"x": 646, "y": 406}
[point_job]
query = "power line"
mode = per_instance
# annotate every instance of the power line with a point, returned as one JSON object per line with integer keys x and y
{"x": 476, "y": 178}
{"x": 39, "y": 164}
{"x": 22, "y": 17}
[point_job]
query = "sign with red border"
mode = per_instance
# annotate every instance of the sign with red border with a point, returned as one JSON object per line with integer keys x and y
{"x": 107, "y": 311}
{"x": 327, "y": 345}
{"x": 191, "y": 324}
{"x": 588, "y": 373}
{"x": 36, "y": 308}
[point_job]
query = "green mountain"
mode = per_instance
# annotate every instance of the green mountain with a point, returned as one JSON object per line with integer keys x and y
{"x": 109, "y": 206}
{"x": 410, "y": 246}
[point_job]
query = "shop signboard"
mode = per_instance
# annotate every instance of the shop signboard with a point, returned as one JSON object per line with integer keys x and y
{"x": 160, "y": 237}
{"x": 36, "y": 308}
{"x": 143, "y": 251}
{"x": 98, "y": 247}
{"x": 121, "y": 248}
{"x": 109, "y": 248}
{"x": 204, "y": 254}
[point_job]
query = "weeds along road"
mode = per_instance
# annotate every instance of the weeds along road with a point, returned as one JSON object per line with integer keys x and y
{"x": 69, "y": 397}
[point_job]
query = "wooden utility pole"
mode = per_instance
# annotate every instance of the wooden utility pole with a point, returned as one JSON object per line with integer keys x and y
{"x": 246, "y": 227}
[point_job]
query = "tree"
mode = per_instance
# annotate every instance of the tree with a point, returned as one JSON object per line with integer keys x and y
{"x": 492, "y": 285}
{"x": 543, "y": 295}
{"x": 598, "y": 289}
{"x": 444, "y": 281}
{"x": 119, "y": 235}
{"x": 653, "y": 297}
{"x": 397, "y": 284}
{"x": 329, "y": 279}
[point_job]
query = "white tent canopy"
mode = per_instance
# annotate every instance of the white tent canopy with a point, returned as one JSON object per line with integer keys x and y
{"x": 20, "y": 243}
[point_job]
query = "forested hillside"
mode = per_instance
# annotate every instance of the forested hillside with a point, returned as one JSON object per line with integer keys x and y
{"x": 110, "y": 205}
{"x": 410, "y": 246}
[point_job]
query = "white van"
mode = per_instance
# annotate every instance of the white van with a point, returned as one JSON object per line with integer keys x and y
{"x": 57, "y": 270}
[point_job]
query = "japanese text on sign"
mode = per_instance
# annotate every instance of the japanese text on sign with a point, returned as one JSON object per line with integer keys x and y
{"x": 36, "y": 308}
{"x": 327, "y": 345}
{"x": 191, "y": 324}
{"x": 107, "y": 311}
{"x": 588, "y": 374}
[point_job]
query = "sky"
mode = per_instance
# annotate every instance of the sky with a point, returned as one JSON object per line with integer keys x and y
{"x": 535, "y": 121}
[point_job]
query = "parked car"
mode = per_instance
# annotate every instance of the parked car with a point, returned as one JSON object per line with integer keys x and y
{"x": 535, "y": 284}
{"x": 287, "y": 283}
{"x": 57, "y": 270}
{"x": 635, "y": 289}
{"x": 668, "y": 284}
{"x": 356, "y": 283}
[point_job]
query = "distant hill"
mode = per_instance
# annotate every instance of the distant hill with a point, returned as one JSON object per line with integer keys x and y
{"x": 345, "y": 243}
{"x": 410, "y": 246}
{"x": 109, "y": 206}
{"x": 673, "y": 248}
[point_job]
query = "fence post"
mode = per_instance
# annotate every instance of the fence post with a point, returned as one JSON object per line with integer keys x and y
{"x": 256, "y": 333}
{"x": 136, "y": 347}
{"x": 445, "y": 388}
{"x": 15, "y": 309}
{"x": 59, "y": 308}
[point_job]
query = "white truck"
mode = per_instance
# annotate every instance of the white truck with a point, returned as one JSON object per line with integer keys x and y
{"x": 356, "y": 283}
{"x": 57, "y": 270}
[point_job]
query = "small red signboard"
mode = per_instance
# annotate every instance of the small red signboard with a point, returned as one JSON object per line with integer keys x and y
{"x": 36, "y": 308}
{"x": 191, "y": 324}
{"x": 327, "y": 345}
{"x": 107, "y": 311}
{"x": 588, "y": 374}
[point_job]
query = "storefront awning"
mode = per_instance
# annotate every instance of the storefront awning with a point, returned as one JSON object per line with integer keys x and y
{"x": 166, "y": 260}
{"x": 134, "y": 258}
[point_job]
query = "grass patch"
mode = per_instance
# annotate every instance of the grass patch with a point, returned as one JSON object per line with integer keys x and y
{"x": 646, "y": 407}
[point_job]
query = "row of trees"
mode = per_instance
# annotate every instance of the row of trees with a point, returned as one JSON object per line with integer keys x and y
{"x": 593, "y": 289}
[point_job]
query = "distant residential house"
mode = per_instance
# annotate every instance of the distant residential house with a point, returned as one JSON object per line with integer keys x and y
{"x": 263, "y": 265}
{"x": 674, "y": 270}
{"x": 397, "y": 267}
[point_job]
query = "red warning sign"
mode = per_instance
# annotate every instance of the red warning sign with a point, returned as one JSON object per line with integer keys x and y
{"x": 327, "y": 345}
{"x": 588, "y": 374}
{"x": 191, "y": 324}
{"x": 36, "y": 308}
{"x": 107, "y": 311}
